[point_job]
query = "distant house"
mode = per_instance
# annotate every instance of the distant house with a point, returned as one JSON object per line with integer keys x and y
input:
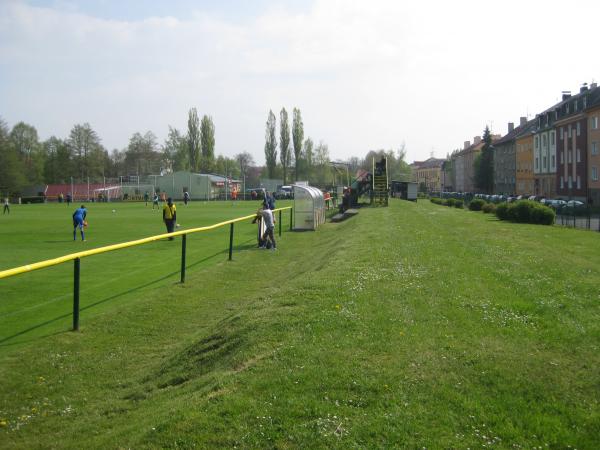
{"x": 428, "y": 173}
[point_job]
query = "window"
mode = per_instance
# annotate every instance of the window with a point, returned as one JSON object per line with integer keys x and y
{"x": 578, "y": 155}
{"x": 544, "y": 163}
{"x": 561, "y": 132}
{"x": 553, "y": 161}
{"x": 594, "y": 148}
{"x": 578, "y": 129}
{"x": 575, "y": 106}
{"x": 544, "y": 141}
{"x": 570, "y": 182}
{"x": 552, "y": 138}
{"x": 595, "y": 123}
{"x": 537, "y": 163}
{"x": 578, "y": 182}
{"x": 537, "y": 144}
{"x": 567, "y": 108}
{"x": 594, "y": 173}
{"x": 569, "y": 131}
{"x": 569, "y": 156}
{"x": 562, "y": 157}
{"x": 562, "y": 182}
{"x": 584, "y": 102}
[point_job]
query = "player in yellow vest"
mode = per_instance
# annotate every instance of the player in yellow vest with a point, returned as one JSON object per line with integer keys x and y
{"x": 170, "y": 216}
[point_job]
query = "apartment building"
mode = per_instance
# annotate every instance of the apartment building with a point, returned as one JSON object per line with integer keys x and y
{"x": 505, "y": 162}
{"x": 572, "y": 145}
{"x": 428, "y": 173}
{"x": 593, "y": 125}
{"x": 524, "y": 159}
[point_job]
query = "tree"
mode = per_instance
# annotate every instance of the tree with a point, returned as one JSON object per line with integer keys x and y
{"x": 245, "y": 161}
{"x": 193, "y": 140}
{"x": 321, "y": 161}
{"x": 207, "y": 138}
{"x": 12, "y": 177}
{"x": 174, "y": 151}
{"x": 271, "y": 145}
{"x": 284, "y": 142}
{"x": 24, "y": 138}
{"x": 484, "y": 165}
{"x": 57, "y": 165}
{"x": 298, "y": 138}
{"x": 308, "y": 153}
{"x": 142, "y": 156}
{"x": 86, "y": 151}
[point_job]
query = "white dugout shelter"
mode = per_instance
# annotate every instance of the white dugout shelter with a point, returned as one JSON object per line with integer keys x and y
{"x": 309, "y": 207}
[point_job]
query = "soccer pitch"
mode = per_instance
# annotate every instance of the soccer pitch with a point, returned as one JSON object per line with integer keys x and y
{"x": 40, "y": 302}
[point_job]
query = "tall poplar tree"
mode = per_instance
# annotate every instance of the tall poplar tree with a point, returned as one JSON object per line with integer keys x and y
{"x": 271, "y": 145}
{"x": 284, "y": 142}
{"x": 484, "y": 164}
{"x": 207, "y": 139}
{"x": 193, "y": 140}
{"x": 298, "y": 139}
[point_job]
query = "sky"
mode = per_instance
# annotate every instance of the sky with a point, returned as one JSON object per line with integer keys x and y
{"x": 366, "y": 75}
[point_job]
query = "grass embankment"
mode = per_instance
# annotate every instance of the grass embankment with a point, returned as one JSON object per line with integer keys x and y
{"x": 409, "y": 326}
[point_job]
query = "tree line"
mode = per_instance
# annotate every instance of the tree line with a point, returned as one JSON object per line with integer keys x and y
{"x": 26, "y": 161}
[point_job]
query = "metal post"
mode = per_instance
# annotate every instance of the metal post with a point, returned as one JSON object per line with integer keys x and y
{"x": 279, "y": 223}
{"x": 183, "y": 245}
{"x": 291, "y": 218}
{"x": 230, "y": 241}
{"x": 76, "y": 272}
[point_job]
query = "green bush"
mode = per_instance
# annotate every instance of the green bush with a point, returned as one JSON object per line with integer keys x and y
{"x": 458, "y": 204}
{"x": 489, "y": 208}
{"x": 435, "y": 200}
{"x": 526, "y": 211}
{"x": 476, "y": 204}
{"x": 542, "y": 215}
{"x": 502, "y": 211}
{"x": 450, "y": 202}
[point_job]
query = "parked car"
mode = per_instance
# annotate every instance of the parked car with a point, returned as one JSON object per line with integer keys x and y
{"x": 575, "y": 204}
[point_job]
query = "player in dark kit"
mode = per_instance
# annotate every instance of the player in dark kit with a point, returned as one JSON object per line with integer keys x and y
{"x": 79, "y": 221}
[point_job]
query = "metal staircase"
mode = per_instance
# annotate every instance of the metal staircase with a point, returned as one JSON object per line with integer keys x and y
{"x": 380, "y": 191}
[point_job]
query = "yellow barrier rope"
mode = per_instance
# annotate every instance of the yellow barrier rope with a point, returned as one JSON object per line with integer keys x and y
{"x": 110, "y": 248}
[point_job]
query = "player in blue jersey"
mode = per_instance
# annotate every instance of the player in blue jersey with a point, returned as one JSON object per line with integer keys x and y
{"x": 79, "y": 221}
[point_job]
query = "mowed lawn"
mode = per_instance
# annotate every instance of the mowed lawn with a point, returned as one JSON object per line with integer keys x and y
{"x": 410, "y": 326}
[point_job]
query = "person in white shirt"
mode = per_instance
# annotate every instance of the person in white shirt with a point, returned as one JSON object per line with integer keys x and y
{"x": 268, "y": 238}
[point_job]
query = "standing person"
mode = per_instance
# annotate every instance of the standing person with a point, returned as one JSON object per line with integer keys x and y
{"x": 69, "y": 198}
{"x": 6, "y": 206}
{"x": 186, "y": 197}
{"x": 155, "y": 201}
{"x": 170, "y": 216}
{"x": 268, "y": 238}
{"x": 60, "y": 197}
{"x": 79, "y": 221}
{"x": 146, "y": 197}
{"x": 272, "y": 201}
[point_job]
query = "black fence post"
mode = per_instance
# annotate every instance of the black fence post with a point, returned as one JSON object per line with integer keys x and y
{"x": 76, "y": 273}
{"x": 183, "y": 246}
{"x": 279, "y": 223}
{"x": 231, "y": 241}
{"x": 291, "y": 218}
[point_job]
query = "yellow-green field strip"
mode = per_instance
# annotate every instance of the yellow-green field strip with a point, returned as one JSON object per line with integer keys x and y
{"x": 110, "y": 248}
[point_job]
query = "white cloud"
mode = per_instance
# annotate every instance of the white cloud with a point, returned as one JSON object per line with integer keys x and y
{"x": 365, "y": 74}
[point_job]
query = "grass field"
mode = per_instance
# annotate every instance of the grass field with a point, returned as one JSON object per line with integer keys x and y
{"x": 410, "y": 326}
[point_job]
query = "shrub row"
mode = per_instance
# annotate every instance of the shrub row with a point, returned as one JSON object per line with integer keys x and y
{"x": 489, "y": 208}
{"x": 448, "y": 202}
{"x": 476, "y": 204}
{"x": 526, "y": 211}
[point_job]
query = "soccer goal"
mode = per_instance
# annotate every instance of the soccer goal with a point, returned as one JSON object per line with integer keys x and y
{"x": 136, "y": 192}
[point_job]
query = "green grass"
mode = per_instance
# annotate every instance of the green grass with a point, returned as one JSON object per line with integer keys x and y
{"x": 408, "y": 326}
